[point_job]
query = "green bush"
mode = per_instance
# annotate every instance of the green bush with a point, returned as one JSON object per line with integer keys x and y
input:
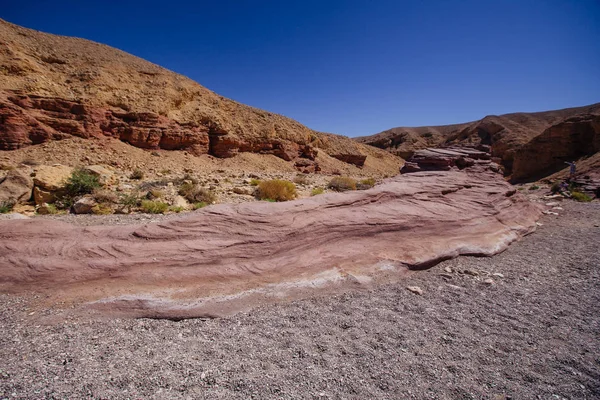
{"x": 154, "y": 207}
{"x": 534, "y": 187}
{"x": 555, "y": 188}
{"x": 129, "y": 200}
{"x": 342, "y": 183}
{"x": 6, "y": 206}
{"x": 254, "y": 182}
{"x": 176, "y": 209}
{"x": 81, "y": 182}
{"x": 199, "y": 205}
{"x": 580, "y": 196}
{"x": 277, "y": 189}
{"x": 317, "y": 191}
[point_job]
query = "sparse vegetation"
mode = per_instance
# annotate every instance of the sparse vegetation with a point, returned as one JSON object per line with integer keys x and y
{"x": 342, "y": 184}
{"x": 277, "y": 190}
{"x": 196, "y": 194}
{"x": 199, "y": 205}
{"x": 102, "y": 209}
{"x": 6, "y": 206}
{"x": 580, "y": 196}
{"x": 534, "y": 187}
{"x": 154, "y": 207}
{"x": 365, "y": 184}
{"x": 81, "y": 182}
{"x": 254, "y": 182}
{"x": 302, "y": 179}
{"x": 317, "y": 191}
{"x": 129, "y": 200}
{"x": 137, "y": 174}
{"x": 555, "y": 188}
{"x": 176, "y": 209}
{"x": 154, "y": 194}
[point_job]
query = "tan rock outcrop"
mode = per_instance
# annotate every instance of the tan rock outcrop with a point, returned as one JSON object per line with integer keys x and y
{"x": 52, "y": 178}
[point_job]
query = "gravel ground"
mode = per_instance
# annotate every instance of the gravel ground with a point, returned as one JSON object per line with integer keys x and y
{"x": 534, "y": 332}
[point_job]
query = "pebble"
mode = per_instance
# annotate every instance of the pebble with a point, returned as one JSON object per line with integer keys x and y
{"x": 498, "y": 274}
{"x": 448, "y": 269}
{"x": 488, "y": 281}
{"x": 415, "y": 290}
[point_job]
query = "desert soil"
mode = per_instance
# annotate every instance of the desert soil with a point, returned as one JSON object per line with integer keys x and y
{"x": 531, "y": 332}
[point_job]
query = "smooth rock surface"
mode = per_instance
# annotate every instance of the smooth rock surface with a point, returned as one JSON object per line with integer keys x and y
{"x": 229, "y": 257}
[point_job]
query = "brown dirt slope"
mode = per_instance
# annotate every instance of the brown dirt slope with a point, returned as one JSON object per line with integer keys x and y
{"x": 527, "y": 144}
{"x": 56, "y": 87}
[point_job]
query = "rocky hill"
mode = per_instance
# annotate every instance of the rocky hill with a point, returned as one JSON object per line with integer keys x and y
{"x": 54, "y": 87}
{"x": 528, "y": 145}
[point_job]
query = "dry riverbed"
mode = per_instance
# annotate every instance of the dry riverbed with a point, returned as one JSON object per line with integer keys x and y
{"x": 524, "y": 324}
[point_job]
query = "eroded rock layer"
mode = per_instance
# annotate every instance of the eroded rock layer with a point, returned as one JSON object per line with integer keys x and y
{"x": 54, "y": 87}
{"x": 527, "y": 145}
{"x": 205, "y": 262}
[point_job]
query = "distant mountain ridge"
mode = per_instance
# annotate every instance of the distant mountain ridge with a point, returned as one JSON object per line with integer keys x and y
{"x": 55, "y": 87}
{"x": 526, "y": 144}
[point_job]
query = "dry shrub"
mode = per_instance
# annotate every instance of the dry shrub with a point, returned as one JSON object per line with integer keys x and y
{"x": 102, "y": 209}
{"x": 302, "y": 179}
{"x": 277, "y": 189}
{"x": 137, "y": 174}
{"x": 317, "y": 191}
{"x": 196, "y": 194}
{"x": 342, "y": 183}
{"x": 154, "y": 207}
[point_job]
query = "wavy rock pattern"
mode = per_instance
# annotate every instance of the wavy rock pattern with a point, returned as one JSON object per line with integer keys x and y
{"x": 202, "y": 263}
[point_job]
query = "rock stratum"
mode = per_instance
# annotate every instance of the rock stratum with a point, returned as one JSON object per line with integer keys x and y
{"x": 54, "y": 87}
{"x": 527, "y": 145}
{"x": 229, "y": 257}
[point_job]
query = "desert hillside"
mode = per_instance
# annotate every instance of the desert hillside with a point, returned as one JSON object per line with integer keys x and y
{"x": 54, "y": 87}
{"x": 528, "y": 145}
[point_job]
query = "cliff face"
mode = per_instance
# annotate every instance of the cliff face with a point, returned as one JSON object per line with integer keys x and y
{"x": 526, "y": 144}
{"x": 54, "y": 87}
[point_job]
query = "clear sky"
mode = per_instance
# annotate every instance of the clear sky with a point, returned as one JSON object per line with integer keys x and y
{"x": 355, "y": 67}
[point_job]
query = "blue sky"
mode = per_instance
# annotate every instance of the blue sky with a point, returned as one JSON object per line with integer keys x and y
{"x": 355, "y": 67}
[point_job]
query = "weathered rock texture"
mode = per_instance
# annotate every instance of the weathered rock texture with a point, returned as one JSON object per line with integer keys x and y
{"x": 528, "y": 145}
{"x": 54, "y": 87}
{"x": 16, "y": 186}
{"x": 229, "y": 256}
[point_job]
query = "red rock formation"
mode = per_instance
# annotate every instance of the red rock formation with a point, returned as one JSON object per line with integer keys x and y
{"x": 526, "y": 144}
{"x": 228, "y": 257}
{"x": 568, "y": 141}
{"x": 444, "y": 159}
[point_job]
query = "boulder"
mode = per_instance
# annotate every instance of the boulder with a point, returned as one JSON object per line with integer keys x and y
{"x": 41, "y": 196}
{"x": 52, "y": 179}
{"x": 16, "y": 186}
{"x": 103, "y": 174}
{"x": 44, "y": 209}
{"x": 84, "y": 205}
